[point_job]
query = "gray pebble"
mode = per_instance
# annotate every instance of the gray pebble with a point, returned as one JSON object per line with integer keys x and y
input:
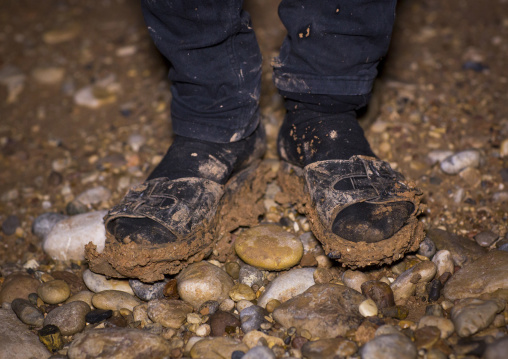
{"x": 45, "y": 222}
{"x": 389, "y": 346}
{"x": 427, "y": 248}
{"x": 252, "y": 317}
{"x": 250, "y": 275}
{"x": 27, "y": 313}
{"x": 10, "y": 224}
{"x": 146, "y": 291}
{"x": 504, "y": 247}
{"x": 486, "y": 238}
{"x": 69, "y": 318}
{"x": 259, "y": 352}
{"x": 497, "y": 349}
{"x": 209, "y": 307}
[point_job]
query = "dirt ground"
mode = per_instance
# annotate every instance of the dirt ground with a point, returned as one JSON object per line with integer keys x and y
{"x": 443, "y": 86}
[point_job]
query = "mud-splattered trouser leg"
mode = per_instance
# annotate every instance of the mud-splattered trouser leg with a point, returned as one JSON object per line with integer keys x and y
{"x": 332, "y": 48}
{"x": 215, "y": 66}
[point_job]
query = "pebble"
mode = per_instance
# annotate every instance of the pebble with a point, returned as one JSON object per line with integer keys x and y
{"x": 168, "y": 312}
{"x": 241, "y": 292}
{"x": 62, "y": 34}
{"x": 259, "y": 353}
{"x": 426, "y": 337}
{"x": 86, "y": 97}
{"x": 17, "y": 286}
{"x": 427, "y": 248}
{"x": 203, "y": 281}
{"x": 227, "y": 305}
{"x": 99, "y": 283}
{"x": 93, "y": 196}
{"x": 84, "y": 296}
{"x": 463, "y": 250}
{"x": 68, "y": 237}
{"x": 460, "y": 161}
{"x": 368, "y": 308}
{"x": 233, "y": 269}
{"x": 379, "y": 292}
{"x": 114, "y": 300}
{"x": 437, "y": 156}
{"x": 444, "y": 262}
{"x": 435, "y": 290}
{"x": 269, "y": 247}
{"x": 486, "y": 238}
{"x": 497, "y": 349}
{"x": 354, "y": 279}
{"x": 250, "y": 276}
{"x": 445, "y": 326}
{"x": 10, "y": 224}
{"x": 398, "y": 311}
{"x": 387, "y": 329}
{"x": 405, "y": 284}
{"x": 14, "y": 79}
{"x": 485, "y": 275}
{"x": 252, "y": 339}
{"x": 54, "y": 291}
{"x": 221, "y": 321}
{"x": 51, "y": 337}
{"x": 69, "y": 318}
{"x": 99, "y": 315}
{"x": 75, "y": 282}
{"x": 146, "y": 291}
{"x": 329, "y": 348}
{"x": 271, "y": 305}
{"x": 472, "y": 315}
{"x": 288, "y": 285}
{"x": 242, "y": 304}
{"x": 122, "y": 343}
{"x": 435, "y": 310}
{"x": 140, "y": 314}
{"x": 252, "y": 318}
{"x": 325, "y": 310}
{"x": 135, "y": 141}
{"x": 48, "y": 75}
{"x": 209, "y": 307}
{"x": 216, "y": 348}
{"x": 27, "y": 312}
{"x": 44, "y": 223}
{"x": 203, "y": 330}
{"x": 389, "y": 346}
{"x": 16, "y": 341}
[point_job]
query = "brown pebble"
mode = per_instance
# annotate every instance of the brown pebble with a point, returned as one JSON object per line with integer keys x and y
{"x": 75, "y": 283}
{"x": 233, "y": 269}
{"x": 323, "y": 275}
{"x": 272, "y": 305}
{"x": 426, "y": 337}
{"x": 365, "y": 332}
{"x": 298, "y": 342}
{"x": 308, "y": 260}
{"x": 379, "y": 292}
{"x": 398, "y": 311}
{"x": 170, "y": 289}
{"x": 220, "y": 321}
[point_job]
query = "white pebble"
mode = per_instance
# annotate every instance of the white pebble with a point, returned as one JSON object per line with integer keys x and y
{"x": 368, "y": 308}
{"x": 460, "y": 161}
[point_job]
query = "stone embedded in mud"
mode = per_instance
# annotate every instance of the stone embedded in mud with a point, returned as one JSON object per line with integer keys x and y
{"x": 203, "y": 281}
{"x": 460, "y": 161}
{"x": 288, "y": 285}
{"x": 269, "y": 247}
{"x": 68, "y": 237}
{"x": 485, "y": 275}
{"x": 405, "y": 284}
{"x": 472, "y": 315}
{"x": 118, "y": 343}
{"x": 216, "y": 348}
{"x": 16, "y": 341}
{"x": 325, "y": 310}
{"x": 169, "y": 313}
{"x": 17, "y": 286}
{"x": 99, "y": 283}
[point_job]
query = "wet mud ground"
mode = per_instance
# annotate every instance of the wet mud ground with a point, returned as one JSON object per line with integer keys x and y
{"x": 443, "y": 86}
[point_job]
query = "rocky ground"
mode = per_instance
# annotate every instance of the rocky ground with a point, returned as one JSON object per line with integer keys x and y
{"x": 84, "y": 107}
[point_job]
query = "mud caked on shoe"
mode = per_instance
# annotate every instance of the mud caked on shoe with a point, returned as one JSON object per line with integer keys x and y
{"x": 359, "y": 208}
{"x": 186, "y": 204}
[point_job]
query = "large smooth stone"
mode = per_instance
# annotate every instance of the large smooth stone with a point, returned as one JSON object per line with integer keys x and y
{"x": 114, "y": 300}
{"x": 69, "y": 318}
{"x": 98, "y": 283}
{"x": 463, "y": 250}
{"x": 118, "y": 343}
{"x": 16, "y": 341}
{"x": 288, "y": 285}
{"x": 216, "y": 348}
{"x": 203, "y": 281}
{"x": 169, "y": 313}
{"x": 325, "y": 310}
{"x": 67, "y": 239}
{"x": 472, "y": 315}
{"x": 18, "y": 286}
{"x": 389, "y": 346}
{"x": 269, "y": 247}
{"x": 486, "y": 275}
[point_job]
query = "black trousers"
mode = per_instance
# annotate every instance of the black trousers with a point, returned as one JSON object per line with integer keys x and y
{"x": 332, "y": 48}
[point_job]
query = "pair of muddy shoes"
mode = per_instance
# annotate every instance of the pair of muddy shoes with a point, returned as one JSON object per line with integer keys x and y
{"x": 361, "y": 210}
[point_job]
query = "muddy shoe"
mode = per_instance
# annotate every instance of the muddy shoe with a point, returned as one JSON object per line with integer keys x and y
{"x": 345, "y": 198}
{"x": 166, "y": 223}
